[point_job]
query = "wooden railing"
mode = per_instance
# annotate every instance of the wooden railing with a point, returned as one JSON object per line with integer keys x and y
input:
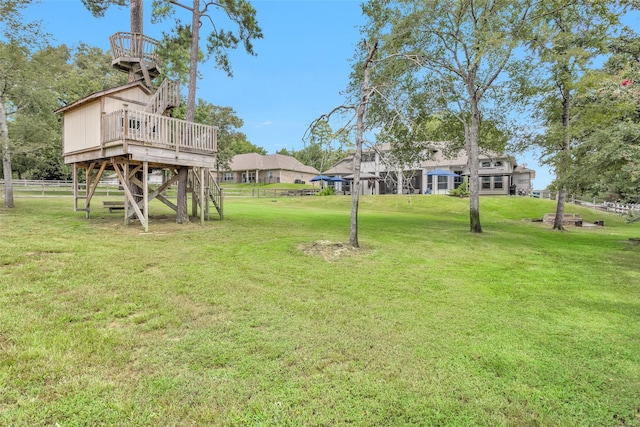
{"x": 159, "y": 131}
{"x": 167, "y": 95}
{"x": 134, "y": 45}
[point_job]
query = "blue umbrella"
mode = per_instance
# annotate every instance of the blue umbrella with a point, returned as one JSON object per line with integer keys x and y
{"x": 441, "y": 172}
{"x": 337, "y": 179}
{"x": 320, "y": 178}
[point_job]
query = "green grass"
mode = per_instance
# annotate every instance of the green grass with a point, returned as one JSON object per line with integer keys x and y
{"x": 232, "y": 323}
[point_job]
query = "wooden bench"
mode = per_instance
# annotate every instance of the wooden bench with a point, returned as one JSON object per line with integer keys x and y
{"x": 113, "y": 205}
{"x": 567, "y": 219}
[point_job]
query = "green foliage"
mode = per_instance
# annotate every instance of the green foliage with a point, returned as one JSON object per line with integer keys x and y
{"x": 446, "y": 60}
{"x": 230, "y": 140}
{"x": 425, "y": 325}
{"x": 462, "y": 190}
{"x": 606, "y": 151}
{"x": 14, "y": 29}
{"x": 40, "y": 82}
{"x": 240, "y": 14}
{"x": 175, "y": 50}
{"x": 99, "y": 7}
{"x": 565, "y": 45}
{"x": 327, "y": 191}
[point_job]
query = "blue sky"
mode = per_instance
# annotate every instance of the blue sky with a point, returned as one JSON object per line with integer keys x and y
{"x": 301, "y": 68}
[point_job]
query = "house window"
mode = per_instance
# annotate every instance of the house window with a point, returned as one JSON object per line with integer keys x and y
{"x": 228, "y": 177}
{"x": 486, "y": 183}
{"x": 485, "y": 164}
{"x": 252, "y": 177}
{"x": 497, "y": 182}
{"x": 369, "y": 157}
{"x": 442, "y": 182}
{"x": 457, "y": 180}
{"x": 498, "y": 164}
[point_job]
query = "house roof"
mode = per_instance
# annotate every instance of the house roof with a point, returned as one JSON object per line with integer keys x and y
{"x": 254, "y": 161}
{"x": 343, "y": 167}
{"x": 100, "y": 94}
{"x": 440, "y": 158}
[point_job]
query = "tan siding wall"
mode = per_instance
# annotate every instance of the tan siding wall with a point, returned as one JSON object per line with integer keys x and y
{"x": 282, "y": 176}
{"x": 291, "y": 176}
{"x": 82, "y": 128}
{"x": 133, "y": 97}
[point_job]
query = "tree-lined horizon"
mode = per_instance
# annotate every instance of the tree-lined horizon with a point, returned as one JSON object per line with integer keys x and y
{"x": 443, "y": 71}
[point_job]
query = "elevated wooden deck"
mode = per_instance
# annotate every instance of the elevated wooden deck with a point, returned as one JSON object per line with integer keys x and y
{"x": 135, "y": 52}
{"x": 143, "y": 136}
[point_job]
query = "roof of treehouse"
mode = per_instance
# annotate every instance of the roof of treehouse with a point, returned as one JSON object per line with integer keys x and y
{"x": 97, "y": 95}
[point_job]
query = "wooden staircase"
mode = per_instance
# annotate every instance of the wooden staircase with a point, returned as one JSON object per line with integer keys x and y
{"x": 205, "y": 188}
{"x": 166, "y": 97}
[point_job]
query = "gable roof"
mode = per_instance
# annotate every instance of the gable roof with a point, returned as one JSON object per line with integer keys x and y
{"x": 100, "y": 94}
{"x": 255, "y": 161}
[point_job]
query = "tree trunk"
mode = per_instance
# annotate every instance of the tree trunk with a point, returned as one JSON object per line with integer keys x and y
{"x": 137, "y": 21}
{"x": 6, "y": 157}
{"x": 562, "y": 198}
{"x": 357, "y": 157}
{"x": 564, "y": 161}
{"x": 193, "y": 61}
{"x": 474, "y": 166}
{"x": 182, "y": 216}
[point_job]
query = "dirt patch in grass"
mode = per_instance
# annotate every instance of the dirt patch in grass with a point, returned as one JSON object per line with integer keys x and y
{"x": 330, "y": 251}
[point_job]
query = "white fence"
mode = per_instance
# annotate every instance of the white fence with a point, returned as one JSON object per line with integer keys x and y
{"x": 56, "y": 188}
{"x": 596, "y": 204}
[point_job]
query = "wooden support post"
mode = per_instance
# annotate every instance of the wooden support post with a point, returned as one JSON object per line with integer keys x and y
{"x": 182, "y": 215}
{"x": 124, "y": 178}
{"x": 145, "y": 194}
{"x": 203, "y": 201}
{"x": 194, "y": 193}
{"x": 130, "y": 198}
{"x": 75, "y": 187}
{"x": 207, "y": 192}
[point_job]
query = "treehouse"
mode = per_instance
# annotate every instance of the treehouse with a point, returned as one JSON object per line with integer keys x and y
{"x": 130, "y": 129}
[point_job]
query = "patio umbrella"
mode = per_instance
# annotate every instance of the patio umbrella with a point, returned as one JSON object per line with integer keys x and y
{"x": 337, "y": 179}
{"x": 441, "y": 172}
{"x": 319, "y": 178}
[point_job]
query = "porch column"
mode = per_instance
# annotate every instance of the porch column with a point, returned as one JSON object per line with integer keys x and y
{"x": 400, "y": 181}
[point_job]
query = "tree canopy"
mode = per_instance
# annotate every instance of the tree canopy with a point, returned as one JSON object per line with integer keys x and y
{"x": 449, "y": 58}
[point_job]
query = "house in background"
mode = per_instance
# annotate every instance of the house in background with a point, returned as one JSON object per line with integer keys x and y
{"x": 382, "y": 174}
{"x": 269, "y": 169}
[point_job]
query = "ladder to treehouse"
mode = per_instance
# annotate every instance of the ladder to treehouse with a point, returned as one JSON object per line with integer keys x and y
{"x": 205, "y": 193}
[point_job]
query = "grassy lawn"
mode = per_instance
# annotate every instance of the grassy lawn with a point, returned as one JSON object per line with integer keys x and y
{"x": 239, "y": 322}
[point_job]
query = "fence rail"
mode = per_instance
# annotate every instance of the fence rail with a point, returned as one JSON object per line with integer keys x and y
{"x": 54, "y": 188}
{"x": 40, "y": 188}
{"x": 57, "y": 188}
{"x": 594, "y": 203}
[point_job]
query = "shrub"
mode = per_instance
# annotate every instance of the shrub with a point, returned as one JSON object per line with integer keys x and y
{"x": 327, "y": 191}
{"x": 462, "y": 190}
